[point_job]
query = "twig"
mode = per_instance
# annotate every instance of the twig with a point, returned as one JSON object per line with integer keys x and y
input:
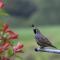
{"x": 48, "y": 50}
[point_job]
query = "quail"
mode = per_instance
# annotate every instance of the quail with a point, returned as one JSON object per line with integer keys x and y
{"x": 41, "y": 40}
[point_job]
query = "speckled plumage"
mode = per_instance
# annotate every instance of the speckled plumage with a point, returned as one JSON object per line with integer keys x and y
{"x": 41, "y": 39}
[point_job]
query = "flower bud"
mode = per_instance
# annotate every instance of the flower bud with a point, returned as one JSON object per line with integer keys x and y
{"x": 18, "y": 47}
{"x": 5, "y": 27}
{"x": 1, "y": 50}
{"x": 1, "y": 4}
{"x": 6, "y": 45}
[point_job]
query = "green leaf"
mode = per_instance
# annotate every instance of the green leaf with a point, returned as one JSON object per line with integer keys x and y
{"x": 1, "y": 26}
{"x": 0, "y": 41}
{"x": 14, "y": 42}
{"x": 10, "y": 52}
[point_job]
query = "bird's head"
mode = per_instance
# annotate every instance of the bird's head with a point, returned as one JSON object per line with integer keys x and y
{"x": 33, "y": 25}
{"x": 34, "y": 28}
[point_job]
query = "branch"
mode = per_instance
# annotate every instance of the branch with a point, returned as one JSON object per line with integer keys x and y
{"x": 47, "y": 50}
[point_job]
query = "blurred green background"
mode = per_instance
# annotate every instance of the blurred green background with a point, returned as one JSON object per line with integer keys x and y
{"x": 45, "y": 13}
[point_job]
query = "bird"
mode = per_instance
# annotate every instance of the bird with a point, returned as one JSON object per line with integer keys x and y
{"x": 41, "y": 40}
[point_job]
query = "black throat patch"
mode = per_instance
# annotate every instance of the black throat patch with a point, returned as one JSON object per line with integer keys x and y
{"x": 34, "y": 31}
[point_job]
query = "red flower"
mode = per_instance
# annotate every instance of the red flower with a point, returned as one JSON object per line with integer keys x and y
{"x": 5, "y": 58}
{"x": 1, "y": 50}
{"x": 5, "y": 27}
{"x": 18, "y": 48}
{"x": 1, "y": 4}
{"x": 12, "y": 35}
{"x": 6, "y": 45}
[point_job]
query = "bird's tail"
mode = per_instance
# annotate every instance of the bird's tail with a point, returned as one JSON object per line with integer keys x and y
{"x": 54, "y": 47}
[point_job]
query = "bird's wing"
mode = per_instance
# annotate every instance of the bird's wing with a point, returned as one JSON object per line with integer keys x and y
{"x": 44, "y": 41}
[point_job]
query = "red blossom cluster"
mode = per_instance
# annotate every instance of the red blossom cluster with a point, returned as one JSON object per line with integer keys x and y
{"x": 6, "y": 40}
{"x": 1, "y": 4}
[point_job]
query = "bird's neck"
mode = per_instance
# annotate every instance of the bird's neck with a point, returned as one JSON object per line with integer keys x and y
{"x": 34, "y": 31}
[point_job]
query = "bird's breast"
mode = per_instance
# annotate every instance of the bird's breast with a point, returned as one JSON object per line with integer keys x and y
{"x": 38, "y": 37}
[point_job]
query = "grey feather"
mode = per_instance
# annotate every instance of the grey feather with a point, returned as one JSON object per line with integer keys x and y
{"x": 41, "y": 39}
